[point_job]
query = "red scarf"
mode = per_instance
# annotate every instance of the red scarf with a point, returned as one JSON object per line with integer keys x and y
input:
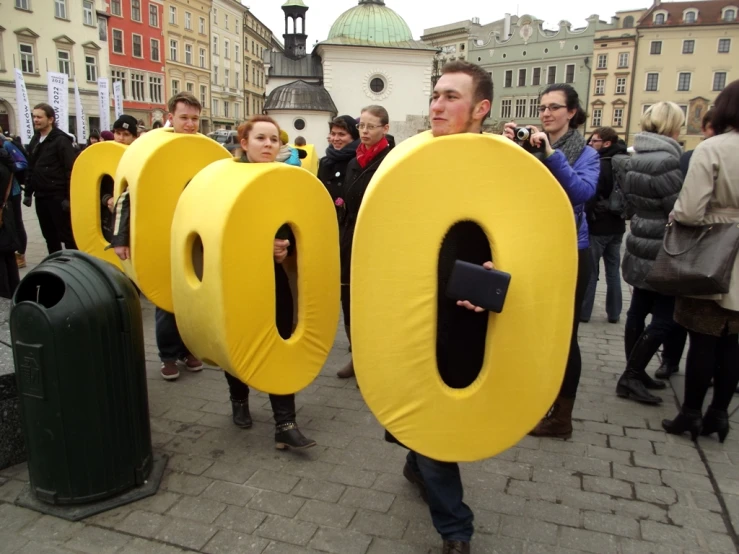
{"x": 366, "y": 155}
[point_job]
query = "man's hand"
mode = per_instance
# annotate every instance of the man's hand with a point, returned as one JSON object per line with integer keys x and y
{"x": 27, "y": 201}
{"x": 468, "y": 305}
{"x": 280, "y": 250}
{"x": 123, "y": 252}
{"x": 110, "y": 203}
{"x": 509, "y": 130}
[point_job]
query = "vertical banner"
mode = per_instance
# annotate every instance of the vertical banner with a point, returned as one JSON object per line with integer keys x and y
{"x": 25, "y": 115}
{"x": 118, "y": 98}
{"x": 59, "y": 99}
{"x": 81, "y": 125}
{"x": 104, "y": 104}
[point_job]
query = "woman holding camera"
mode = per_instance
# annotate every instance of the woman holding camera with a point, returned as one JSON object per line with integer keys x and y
{"x": 576, "y": 166}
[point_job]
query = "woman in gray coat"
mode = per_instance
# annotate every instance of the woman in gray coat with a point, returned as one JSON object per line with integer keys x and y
{"x": 652, "y": 184}
{"x": 711, "y": 195}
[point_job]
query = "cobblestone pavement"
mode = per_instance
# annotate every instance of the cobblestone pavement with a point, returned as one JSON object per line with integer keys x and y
{"x": 621, "y": 485}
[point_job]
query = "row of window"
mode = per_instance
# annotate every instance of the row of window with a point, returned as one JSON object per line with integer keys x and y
{"x": 616, "y": 121}
{"x": 519, "y": 108}
{"x": 227, "y": 110}
{"x": 225, "y": 21}
{"x": 61, "y": 10}
{"x": 134, "y": 85}
{"x": 537, "y": 75}
{"x": 600, "y": 85}
{"x": 226, "y": 48}
{"x": 116, "y": 9}
{"x": 137, "y": 46}
{"x": 724, "y": 46}
{"x": 728, "y": 15}
{"x": 684, "y": 81}
{"x": 602, "y": 61}
{"x": 64, "y": 62}
{"x": 188, "y": 20}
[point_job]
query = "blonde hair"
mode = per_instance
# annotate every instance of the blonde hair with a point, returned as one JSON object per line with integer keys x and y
{"x": 663, "y": 118}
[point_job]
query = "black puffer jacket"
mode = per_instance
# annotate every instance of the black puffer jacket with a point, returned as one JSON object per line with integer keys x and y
{"x": 652, "y": 185}
{"x": 50, "y": 164}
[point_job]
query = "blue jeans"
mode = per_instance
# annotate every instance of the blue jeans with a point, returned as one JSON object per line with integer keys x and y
{"x": 607, "y": 247}
{"x": 452, "y": 518}
{"x": 169, "y": 341}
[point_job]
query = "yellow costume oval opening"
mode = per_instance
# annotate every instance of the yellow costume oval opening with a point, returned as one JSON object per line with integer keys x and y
{"x": 418, "y": 193}
{"x": 229, "y": 318}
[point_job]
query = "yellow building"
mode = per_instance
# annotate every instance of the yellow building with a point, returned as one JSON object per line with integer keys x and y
{"x": 257, "y": 39}
{"x": 687, "y": 54}
{"x": 187, "y": 51}
{"x": 611, "y": 80}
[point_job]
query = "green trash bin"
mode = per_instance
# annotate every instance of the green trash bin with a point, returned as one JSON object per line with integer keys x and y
{"x": 79, "y": 353}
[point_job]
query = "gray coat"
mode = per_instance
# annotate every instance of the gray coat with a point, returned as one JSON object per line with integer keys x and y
{"x": 652, "y": 185}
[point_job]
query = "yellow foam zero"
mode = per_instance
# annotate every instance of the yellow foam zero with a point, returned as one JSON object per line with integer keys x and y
{"x": 94, "y": 163}
{"x": 223, "y": 281}
{"x": 156, "y": 169}
{"x": 422, "y": 188}
{"x": 310, "y": 162}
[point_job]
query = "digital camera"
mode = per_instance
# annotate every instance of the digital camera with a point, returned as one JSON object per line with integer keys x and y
{"x": 521, "y": 136}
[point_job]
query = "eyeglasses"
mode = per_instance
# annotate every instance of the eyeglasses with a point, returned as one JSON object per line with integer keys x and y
{"x": 363, "y": 126}
{"x": 551, "y": 107}
{"x": 595, "y": 140}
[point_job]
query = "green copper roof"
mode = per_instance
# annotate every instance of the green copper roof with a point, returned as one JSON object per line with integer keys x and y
{"x": 370, "y": 23}
{"x": 294, "y": 3}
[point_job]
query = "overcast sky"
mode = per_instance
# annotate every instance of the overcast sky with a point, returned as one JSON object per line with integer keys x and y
{"x": 423, "y": 14}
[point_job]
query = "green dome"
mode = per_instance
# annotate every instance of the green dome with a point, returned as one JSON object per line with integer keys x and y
{"x": 370, "y": 23}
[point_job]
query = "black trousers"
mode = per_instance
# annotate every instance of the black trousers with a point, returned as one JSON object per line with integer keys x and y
{"x": 283, "y": 407}
{"x": 709, "y": 358}
{"x": 20, "y": 229}
{"x": 574, "y": 361}
{"x": 55, "y": 223}
{"x": 9, "y": 276}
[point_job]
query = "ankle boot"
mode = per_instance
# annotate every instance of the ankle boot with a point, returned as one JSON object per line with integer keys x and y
{"x": 347, "y": 371}
{"x": 686, "y": 420}
{"x": 455, "y": 547}
{"x": 716, "y": 421}
{"x": 631, "y": 383}
{"x": 241, "y": 415}
{"x": 666, "y": 369}
{"x": 558, "y": 423}
{"x": 288, "y": 436}
{"x": 652, "y": 384}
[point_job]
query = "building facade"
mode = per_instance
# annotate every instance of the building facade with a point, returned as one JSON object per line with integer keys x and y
{"x": 136, "y": 52}
{"x": 451, "y": 41}
{"x": 258, "y": 40}
{"x": 187, "y": 52}
{"x": 687, "y": 53}
{"x": 614, "y": 57}
{"x": 227, "y": 83}
{"x": 66, "y": 36}
{"x": 530, "y": 58}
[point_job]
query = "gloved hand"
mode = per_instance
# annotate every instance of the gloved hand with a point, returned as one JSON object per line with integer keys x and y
{"x": 65, "y": 205}
{"x": 27, "y": 201}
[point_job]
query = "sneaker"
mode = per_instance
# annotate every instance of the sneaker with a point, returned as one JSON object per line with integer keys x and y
{"x": 191, "y": 363}
{"x": 169, "y": 371}
{"x": 20, "y": 259}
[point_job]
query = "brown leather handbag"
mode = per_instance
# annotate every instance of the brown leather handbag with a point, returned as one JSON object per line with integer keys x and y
{"x": 695, "y": 260}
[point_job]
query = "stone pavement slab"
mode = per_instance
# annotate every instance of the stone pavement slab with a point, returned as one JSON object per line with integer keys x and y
{"x": 620, "y": 486}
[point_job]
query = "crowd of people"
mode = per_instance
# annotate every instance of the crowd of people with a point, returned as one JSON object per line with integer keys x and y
{"x": 606, "y": 187}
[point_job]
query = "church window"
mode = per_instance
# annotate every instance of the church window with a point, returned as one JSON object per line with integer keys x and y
{"x": 377, "y": 85}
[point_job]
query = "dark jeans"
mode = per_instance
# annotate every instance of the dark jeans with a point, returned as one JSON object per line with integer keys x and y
{"x": 169, "y": 341}
{"x": 20, "y": 229}
{"x": 452, "y": 518}
{"x": 607, "y": 247}
{"x": 709, "y": 358}
{"x": 55, "y": 223}
{"x": 283, "y": 407}
{"x": 574, "y": 361}
{"x": 9, "y": 276}
{"x": 662, "y": 308}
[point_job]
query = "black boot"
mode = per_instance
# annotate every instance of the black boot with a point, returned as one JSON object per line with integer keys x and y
{"x": 455, "y": 547}
{"x": 241, "y": 415}
{"x": 651, "y": 383}
{"x": 716, "y": 421}
{"x": 287, "y": 435}
{"x": 686, "y": 420}
{"x": 666, "y": 369}
{"x": 631, "y": 336}
{"x": 632, "y": 382}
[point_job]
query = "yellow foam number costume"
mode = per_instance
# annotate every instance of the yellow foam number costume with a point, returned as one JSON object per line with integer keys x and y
{"x": 223, "y": 280}
{"x": 94, "y": 163}
{"x": 421, "y": 189}
{"x": 156, "y": 169}
{"x": 310, "y": 162}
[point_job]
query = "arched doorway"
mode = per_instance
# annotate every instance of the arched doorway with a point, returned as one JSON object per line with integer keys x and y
{"x": 7, "y": 117}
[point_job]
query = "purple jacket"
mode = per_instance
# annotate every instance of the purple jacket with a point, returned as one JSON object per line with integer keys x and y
{"x": 579, "y": 182}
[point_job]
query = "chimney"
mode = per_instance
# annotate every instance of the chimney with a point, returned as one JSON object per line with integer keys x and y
{"x": 507, "y": 26}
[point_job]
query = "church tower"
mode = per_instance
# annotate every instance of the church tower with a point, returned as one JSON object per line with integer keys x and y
{"x": 295, "y": 41}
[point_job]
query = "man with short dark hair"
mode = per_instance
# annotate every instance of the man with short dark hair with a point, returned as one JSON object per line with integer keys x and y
{"x": 184, "y": 115}
{"x": 606, "y": 227}
{"x": 125, "y": 130}
{"x": 51, "y": 158}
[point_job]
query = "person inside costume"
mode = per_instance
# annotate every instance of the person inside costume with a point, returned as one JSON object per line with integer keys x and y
{"x": 260, "y": 143}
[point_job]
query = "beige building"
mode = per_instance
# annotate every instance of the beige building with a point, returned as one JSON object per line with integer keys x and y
{"x": 614, "y": 56}
{"x": 687, "y": 53}
{"x": 186, "y": 46}
{"x": 451, "y": 41}
{"x": 65, "y": 36}
{"x": 227, "y": 85}
{"x": 257, "y": 39}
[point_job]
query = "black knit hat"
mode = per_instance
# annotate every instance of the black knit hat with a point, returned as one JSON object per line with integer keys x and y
{"x": 127, "y": 123}
{"x": 346, "y": 122}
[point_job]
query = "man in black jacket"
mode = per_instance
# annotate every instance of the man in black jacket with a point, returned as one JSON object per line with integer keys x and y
{"x": 51, "y": 157}
{"x": 607, "y": 227}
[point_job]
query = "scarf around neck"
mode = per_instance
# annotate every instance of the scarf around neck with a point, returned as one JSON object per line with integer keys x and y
{"x": 366, "y": 155}
{"x": 346, "y": 154}
{"x": 571, "y": 144}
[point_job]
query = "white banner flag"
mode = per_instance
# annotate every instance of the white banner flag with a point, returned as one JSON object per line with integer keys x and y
{"x": 59, "y": 99}
{"x": 118, "y": 99}
{"x": 104, "y": 104}
{"x": 25, "y": 115}
{"x": 81, "y": 124}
